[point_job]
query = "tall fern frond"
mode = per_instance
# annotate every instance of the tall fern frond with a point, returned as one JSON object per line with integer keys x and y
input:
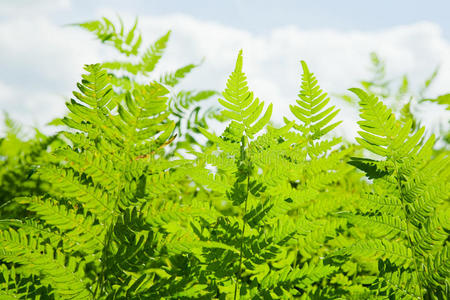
{"x": 240, "y": 104}
{"x": 311, "y": 108}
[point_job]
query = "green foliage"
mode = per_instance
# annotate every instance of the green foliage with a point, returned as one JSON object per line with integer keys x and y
{"x": 110, "y": 209}
{"x": 125, "y": 42}
{"x": 398, "y": 94}
{"x": 407, "y": 238}
{"x": 20, "y": 155}
{"x": 310, "y": 106}
{"x": 186, "y": 107}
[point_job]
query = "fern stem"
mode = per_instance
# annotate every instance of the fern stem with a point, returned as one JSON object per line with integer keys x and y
{"x": 238, "y": 276}
{"x": 105, "y": 256}
{"x": 410, "y": 243}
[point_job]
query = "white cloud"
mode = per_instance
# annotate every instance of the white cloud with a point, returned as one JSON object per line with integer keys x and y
{"x": 41, "y": 63}
{"x": 32, "y": 7}
{"x": 50, "y": 59}
{"x": 272, "y": 60}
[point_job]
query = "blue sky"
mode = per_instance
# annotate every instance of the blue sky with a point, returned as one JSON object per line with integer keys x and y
{"x": 41, "y": 60}
{"x": 260, "y": 16}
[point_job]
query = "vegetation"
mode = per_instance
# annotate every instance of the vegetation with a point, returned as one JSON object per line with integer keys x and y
{"x": 137, "y": 198}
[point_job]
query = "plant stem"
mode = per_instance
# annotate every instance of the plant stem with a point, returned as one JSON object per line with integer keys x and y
{"x": 410, "y": 243}
{"x": 238, "y": 276}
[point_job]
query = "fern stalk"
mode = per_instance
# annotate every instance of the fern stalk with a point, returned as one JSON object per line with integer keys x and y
{"x": 247, "y": 169}
{"x": 408, "y": 230}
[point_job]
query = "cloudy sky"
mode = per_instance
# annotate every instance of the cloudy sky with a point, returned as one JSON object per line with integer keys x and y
{"x": 41, "y": 59}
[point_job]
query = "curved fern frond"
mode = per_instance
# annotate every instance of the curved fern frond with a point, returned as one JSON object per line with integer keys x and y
{"x": 383, "y": 134}
{"x": 437, "y": 272}
{"x": 154, "y": 53}
{"x": 172, "y": 79}
{"x": 143, "y": 118}
{"x": 125, "y": 42}
{"x": 67, "y": 184}
{"x": 395, "y": 282}
{"x": 190, "y": 115}
{"x": 90, "y": 113}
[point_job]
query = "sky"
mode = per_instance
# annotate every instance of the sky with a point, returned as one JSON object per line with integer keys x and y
{"x": 41, "y": 59}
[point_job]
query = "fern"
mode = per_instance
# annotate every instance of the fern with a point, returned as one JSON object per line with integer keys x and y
{"x": 137, "y": 198}
{"x": 310, "y": 108}
{"x": 125, "y": 42}
{"x": 408, "y": 173}
{"x": 126, "y": 75}
{"x": 66, "y": 277}
{"x": 256, "y": 173}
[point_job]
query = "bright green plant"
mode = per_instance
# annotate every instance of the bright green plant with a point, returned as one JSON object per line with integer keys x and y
{"x": 259, "y": 212}
{"x": 20, "y": 155}
{"x": 404, "y": 212}
{"x": 185, "y": 107}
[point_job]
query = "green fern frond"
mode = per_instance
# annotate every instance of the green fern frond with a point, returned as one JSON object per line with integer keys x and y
{"x": 395, "y": 282}
{"x": 143, "y": 118}
{"x": 299, "y": 278}
{"x": 90, "y": 112}
{"x": 67, "y": 184}
{"x": 432, "y": 236}
{"x": 77, "y": 227}
{"x": 129, "y": 67}
{"x": 125, "y": 42}
{"x": 154, "y": 53}
{"x": 396, "y": 252}
{"x": 65, "y": 274}
{"x": 240, "y": 105}
{"x": 172, "y": 79}
{"x": 14, "y": 285}
{"x": 99, "y": 169}
{"x": 382, "y": 226}
{"x": 311, "y": 108}
{"x": 373, "y": 201}
{"x": 383, "y": 134}
{"x": 146, "y": 64}
{"x": 442, "y": 100}
{"x": 437, "y": 272}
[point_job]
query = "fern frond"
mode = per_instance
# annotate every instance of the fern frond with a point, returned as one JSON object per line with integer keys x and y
{"x": 432, "y": 235}
{"x": 395, "y": 282}
{"x": 125, "y": 42}
{"x": 382, "y": 226}
{"x": 311, "y": 108}
{"x": 14, "y": 285}
{"x": 383, "y": 134}
{"x": 67, "y": 184}
{"x": 90, "y": 111}
{"x": 154, "y": 53}
{"x": 143, "y": 117}
{"x": 299, "y": 278}
{"x": 437, "y": 272}
{"x": 240, "y": 104}
{"x": 99, "y": 169}
{"x": 396, "y": 252}
{"x": 172, "y": 79}
{"x": 65, "y": 275}
{"x": 77, "y": 227}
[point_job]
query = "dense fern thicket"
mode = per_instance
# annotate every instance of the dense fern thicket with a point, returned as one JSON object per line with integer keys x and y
{"x": 138, "y": 199}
